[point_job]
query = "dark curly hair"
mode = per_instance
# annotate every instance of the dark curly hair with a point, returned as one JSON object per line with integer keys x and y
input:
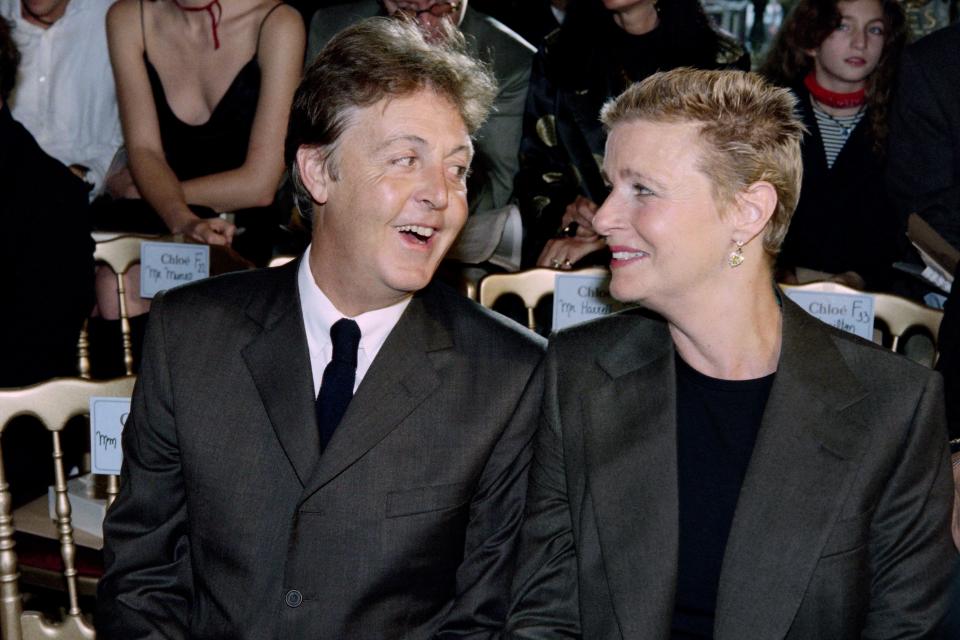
{"x": 809, "y": 24}
{"x": 9, "y": 60}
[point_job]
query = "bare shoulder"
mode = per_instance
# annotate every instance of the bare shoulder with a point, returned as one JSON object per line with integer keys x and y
{"x": 282, "y": 31}
{"x": 281, "y": 19}
{"x": 124, "y": 14}
{"x": 124, "y": 30}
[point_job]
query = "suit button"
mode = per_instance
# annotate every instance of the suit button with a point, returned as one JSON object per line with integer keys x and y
{"x": 293, "y": 598}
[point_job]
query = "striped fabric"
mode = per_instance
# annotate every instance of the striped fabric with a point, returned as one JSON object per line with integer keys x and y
{"x": 834, "y": 132}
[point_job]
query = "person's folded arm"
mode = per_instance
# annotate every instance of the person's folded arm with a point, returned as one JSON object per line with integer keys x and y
{"x": 155, "y": 179}
{"x": 911, "y": 552}
{"x": 545, "y": 598}
{"x": 496, "y": 513}
{"x": 147, "y": 586}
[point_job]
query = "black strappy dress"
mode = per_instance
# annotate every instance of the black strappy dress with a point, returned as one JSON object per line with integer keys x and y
{"x": 217, "y": 145}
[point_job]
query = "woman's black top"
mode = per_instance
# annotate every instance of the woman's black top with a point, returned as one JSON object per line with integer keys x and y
{"x": 717, "y": 425}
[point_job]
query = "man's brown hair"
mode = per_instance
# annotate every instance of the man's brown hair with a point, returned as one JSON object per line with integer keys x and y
{"x": 375, "y": 59}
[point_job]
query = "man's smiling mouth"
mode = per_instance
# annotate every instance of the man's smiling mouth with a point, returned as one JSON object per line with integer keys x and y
{"x": 421, "y": 234}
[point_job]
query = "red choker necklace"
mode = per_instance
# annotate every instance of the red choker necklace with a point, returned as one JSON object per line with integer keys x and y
{"x": 214, "y": 19}
{"x": 832, "y": 98}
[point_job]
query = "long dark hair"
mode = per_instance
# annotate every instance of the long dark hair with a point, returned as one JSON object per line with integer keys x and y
{"x": 694, "y": 39}
{"x": 809, "y": 24}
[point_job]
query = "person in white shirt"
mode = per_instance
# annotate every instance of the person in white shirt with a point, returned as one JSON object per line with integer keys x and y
{"x": 65, "y": 93}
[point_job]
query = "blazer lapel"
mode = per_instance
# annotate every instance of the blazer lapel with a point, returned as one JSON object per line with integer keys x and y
{"x": 401, "y": 377}
{"x": 802, "y": 465}
{"x": 631, "y": 469}
{"x": 279, "y": 363}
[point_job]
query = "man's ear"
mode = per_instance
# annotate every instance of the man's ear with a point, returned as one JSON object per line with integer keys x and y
{"x": 755, "y": 207}
{"x": 313, "y": 168}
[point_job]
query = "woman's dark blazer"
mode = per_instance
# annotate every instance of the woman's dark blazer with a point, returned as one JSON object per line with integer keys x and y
{"x": 844, "y": 220}
{"x": 842, "y": 525}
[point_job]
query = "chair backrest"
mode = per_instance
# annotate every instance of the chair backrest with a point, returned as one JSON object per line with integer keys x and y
{"x": 120, "y": 254}
{"x": 531, "y": 286}
{"x": 53, "y": 403}
{"x": 900, "y": 315}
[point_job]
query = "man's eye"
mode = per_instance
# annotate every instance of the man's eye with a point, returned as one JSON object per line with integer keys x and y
{"x": 640, "y": 190}
{"x": 461, "y": 171}
{"x": 405, "y": 161}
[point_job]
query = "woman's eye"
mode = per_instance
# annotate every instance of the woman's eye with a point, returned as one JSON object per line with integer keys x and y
{"x": 843, "y": 26}
{"x": 876, "y": 31}
{"x": 640, "y": 190}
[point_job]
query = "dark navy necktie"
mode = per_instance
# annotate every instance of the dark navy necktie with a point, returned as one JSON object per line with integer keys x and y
{"x": 336, "y": 388}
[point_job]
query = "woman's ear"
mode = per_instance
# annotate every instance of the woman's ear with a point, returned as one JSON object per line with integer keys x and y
{"x": 312, "y": 167}
{"x": 755, "y": 207}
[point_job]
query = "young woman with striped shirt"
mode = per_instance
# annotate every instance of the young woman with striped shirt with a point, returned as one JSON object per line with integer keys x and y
{"x": 839, "y": 57}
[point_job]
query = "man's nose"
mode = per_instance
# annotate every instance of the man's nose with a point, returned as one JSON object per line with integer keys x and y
{"x": 434, "y": 191}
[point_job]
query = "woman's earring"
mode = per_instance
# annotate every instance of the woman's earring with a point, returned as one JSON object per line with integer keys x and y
{"x": 736, "y": 258}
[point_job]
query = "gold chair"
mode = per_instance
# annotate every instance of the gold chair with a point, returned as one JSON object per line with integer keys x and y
{"x": 531, "y": 286}
{"x": 54, "y": 403}
{"x": 899, "y": 315}
{"x": 120, "y": 254}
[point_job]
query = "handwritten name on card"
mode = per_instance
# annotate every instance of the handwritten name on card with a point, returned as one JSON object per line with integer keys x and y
{"x": 577, "y": 298}
{"x": 164, "y": 265}
{"x": 107, "y": 417}
{"x": 851, "y": 312}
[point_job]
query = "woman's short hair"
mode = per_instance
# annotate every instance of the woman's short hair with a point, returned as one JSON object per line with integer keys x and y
{"x": 9, "y": 60}
{"x": 748, "y": 128}
{"x": 381, "y": 58}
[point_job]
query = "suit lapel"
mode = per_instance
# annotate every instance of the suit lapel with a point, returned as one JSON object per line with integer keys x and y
{"x": 802, "y": 465}
{"x": 401, "y": 377}
{"x": 279, "y": 363}
{"x": 631, "y": 468}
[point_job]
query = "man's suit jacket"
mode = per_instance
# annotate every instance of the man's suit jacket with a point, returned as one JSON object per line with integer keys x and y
{"x": 509, "y": 56}
{"x": 230, "y": 524}
{"x": 923, "y": 169}
{"x": 842, "y": 525}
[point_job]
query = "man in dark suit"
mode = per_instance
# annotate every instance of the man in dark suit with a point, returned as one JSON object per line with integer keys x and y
{"x": 509, "y": 56}
{"x": 248, "y": 510}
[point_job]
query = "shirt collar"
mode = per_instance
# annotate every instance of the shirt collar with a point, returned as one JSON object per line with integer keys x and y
{"x": 319, "y": 313}
{"x": 73, "y": 7}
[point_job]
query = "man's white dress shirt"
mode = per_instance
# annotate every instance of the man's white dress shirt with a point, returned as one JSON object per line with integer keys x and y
{"x": 65, "y": 95}
{"x": 319, "y": 314}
